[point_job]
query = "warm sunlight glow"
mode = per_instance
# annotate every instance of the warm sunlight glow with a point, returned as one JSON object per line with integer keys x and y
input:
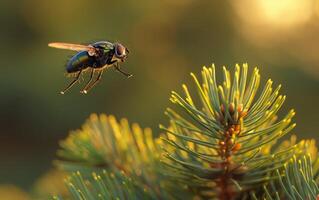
{"x": 286, "y": 12}
{"x": 317, "y": 8}
{"x": 289, "y": 26}
{"x": 283, "y": 13}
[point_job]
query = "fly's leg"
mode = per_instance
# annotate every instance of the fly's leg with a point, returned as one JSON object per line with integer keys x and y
{"x": 84, "y": 90}
{"x": 72, "y": 83}
{"x": 117, "y": 67}
{"x": 89, "y": 87}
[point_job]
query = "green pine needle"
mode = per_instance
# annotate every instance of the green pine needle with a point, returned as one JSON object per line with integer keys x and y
{"x": 221, "y": 143}
{"x": 229, "y": 137}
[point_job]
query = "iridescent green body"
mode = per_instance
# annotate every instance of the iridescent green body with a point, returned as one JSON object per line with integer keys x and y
{"x": 82, "y": 60}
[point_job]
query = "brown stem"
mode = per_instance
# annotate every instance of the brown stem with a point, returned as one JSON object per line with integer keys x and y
{"x": 225, "y": 153}
{"x": 227, "y": 147}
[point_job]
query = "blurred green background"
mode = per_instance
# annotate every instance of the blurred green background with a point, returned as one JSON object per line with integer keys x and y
{"x": 167, "y": 40}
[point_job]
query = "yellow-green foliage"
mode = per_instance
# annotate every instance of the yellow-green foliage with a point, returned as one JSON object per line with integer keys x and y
{"x": 222, "y": 143}
{"x": 225, "y": 145}
{"x": 103, "y": 141}
{"x": 107, "y": 146}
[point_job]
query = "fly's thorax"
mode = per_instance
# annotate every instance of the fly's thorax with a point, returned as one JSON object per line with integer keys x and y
{"x": 103, "y": 45}
{"x": 104, "y": 49}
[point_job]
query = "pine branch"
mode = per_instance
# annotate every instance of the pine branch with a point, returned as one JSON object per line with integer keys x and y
{"x": 105, "y": 186}
{"x": 295, "y": 182}
{"x": 220, "y": 144}
{"x": 226, "y": 145}
{"x": 103, "y": 144}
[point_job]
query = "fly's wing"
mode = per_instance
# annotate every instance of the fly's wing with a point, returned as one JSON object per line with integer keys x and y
{"x": 74, "y": 47}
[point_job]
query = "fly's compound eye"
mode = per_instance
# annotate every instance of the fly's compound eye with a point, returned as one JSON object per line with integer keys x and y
{"x": 120, "y": 51}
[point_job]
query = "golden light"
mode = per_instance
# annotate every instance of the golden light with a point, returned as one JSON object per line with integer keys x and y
{"x": 317, "y": 8}
{"x": 276, "y": 13}
{"x": 286, "y": 12}
{"x": 288, "y": 28}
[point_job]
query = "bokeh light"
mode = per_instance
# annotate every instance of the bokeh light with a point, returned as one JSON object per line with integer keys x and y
{"x": 276, "y": 14}
{"x": 277, "y": 28}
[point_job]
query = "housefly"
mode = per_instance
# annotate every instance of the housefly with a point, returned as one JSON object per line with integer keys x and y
{"x": 94, "y": 57}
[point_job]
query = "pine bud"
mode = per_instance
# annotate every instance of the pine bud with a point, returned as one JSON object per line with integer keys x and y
{"x": 231, "y": 108}
{"x": 222, "y": 109}
{"x": 236, "y": 147}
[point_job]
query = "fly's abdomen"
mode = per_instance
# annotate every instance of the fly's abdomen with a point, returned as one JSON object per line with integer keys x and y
{"x": 79, "y": 62}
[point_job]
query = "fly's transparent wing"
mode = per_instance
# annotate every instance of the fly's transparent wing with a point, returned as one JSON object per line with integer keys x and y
{"x": 74, "y": 47}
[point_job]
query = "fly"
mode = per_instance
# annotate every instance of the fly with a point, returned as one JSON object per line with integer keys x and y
{"x": 94, "y": 57}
